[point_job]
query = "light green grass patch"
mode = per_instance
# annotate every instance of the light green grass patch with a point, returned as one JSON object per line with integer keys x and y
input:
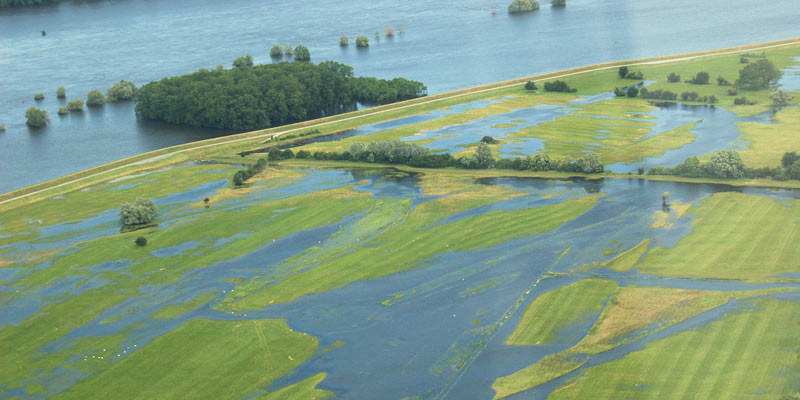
{"x": 303, "y": 390}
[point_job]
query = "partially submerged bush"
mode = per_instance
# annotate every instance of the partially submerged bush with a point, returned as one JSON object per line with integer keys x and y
{"x": 301, "y": 53}
{"x": 75, "y": 105}
{"x": 62, "y": 110}
{"x": 95, "y": 98}
{"x": 362, "y": 41}
{"x": 122, "y": 91}
{"x": 276, "y": 51}
{"x": 38, "y": 96}
{"x": 36, "y": 118}
{"x": 143, "y": 211}
{"x": 61, "y": 92}
{"x": 521, "y": 6}
{"x": 343, "y": 40}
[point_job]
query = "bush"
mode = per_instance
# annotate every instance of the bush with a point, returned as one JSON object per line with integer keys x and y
{"x": 75, "y": 105}
{"x": 38, "y": 96}
{"x": 277, "y": 51}
{"x": 143, "y": 211}
{"x": 522, "y": 6}
{"x": 722, "y": 81}
{"x": 61, "y": 92}
{"x": 733, "y": 91}
{"x": 689, "y": 96}
{"x": 362, "y": 41}
{"x": 488, "y": 140}
{"x": 95, "y": 98}
{"x": 36, "y": 118}
{"x": 243, "y": 61}
{"x": 141, "y": 241}
{"x": 743, "y": 60}
{"x": 781, "y": 98}
{"x": 343, "y": 40}
{"x": 632, "y": 92}
{"x": 701, "y": 78}
{"x": 62, "y": 110}
{"x": 743, "y": 101}
{"x": 301, "y": 53}
{"x": 529, "y": 85}
{"x": 761, "y": 74}
{"x": 2, "y": 127}
{"x": 673, "y": 77}
{"x": 558, "y": 86}
{"x": 122, "y": 91}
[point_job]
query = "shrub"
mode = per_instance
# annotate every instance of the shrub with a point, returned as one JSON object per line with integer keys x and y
{"x": 722, "y": 81}
{"x": 62, "y": 110}
{"x": 377, "y": 35}
{"x": 75, "y": 105}
{"x": 521, "y": 6}
{"x": 301, "y": 53}
{"x": 2, "y": 127}
{"x": 95, "y": 98}
{"x": 529, "y": 85}
{"x": 243, "y": 61}
{"x": 38, "y": 96}
{"x": 122, "y": 91}
{"x": 658, "y": 94}
{"x": 632, "y": 92}
{"x": 277, "y": 51}
{"x": 143, "y": 211}
{"x": 303, "y": 154}
{"x": 362, "y": 41}
{"x": 389, "y": 31}
{"x": 558, "y": 86}
{"x": 141, "y": 241}
{"x": 343, "y": 40}
{"x": 36, "y": 118}
{"x": 673, "y": 77}
{"x": 701, "y": 78}
{"x": 61, "y": 92}
{"x": 635, "y": 75}
{"x": 781, "y": 98}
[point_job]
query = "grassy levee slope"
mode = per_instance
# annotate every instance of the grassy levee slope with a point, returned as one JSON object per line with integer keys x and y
{"x": 734, "y": 236}
{"x": 201, "y": 359}
{"x": 750, "y": 354}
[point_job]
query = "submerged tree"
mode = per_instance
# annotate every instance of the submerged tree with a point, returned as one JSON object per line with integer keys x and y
{"x": 95, "y": 98}
{"x": 664, "y": 198}
{"x": 522, "y": 6}
{"x": 36, "y": 118}
{"x": 301, "y": 53}
{"x": 243, "y": 61}
{"x": 61, "y": 92}
{"x": 343, "y": 40}
{"x": 276, "y": 51}
{"x": 122, "y": 91}
{"x": 362, "y": 41}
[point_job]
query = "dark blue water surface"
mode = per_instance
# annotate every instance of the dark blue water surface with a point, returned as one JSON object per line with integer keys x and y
{"x": 447, "y": 45}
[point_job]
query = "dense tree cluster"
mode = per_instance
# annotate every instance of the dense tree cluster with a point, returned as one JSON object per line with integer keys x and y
{"x": 36, "y": 118}
{"x": 121, "y": 91}
{"x": 761, "y": 74}
{"x": 658, "y": 94}
{"x": 143, "y": 211}
{"x": 265, "y": 95}
{"x": 521, "y": 6}
{"x": 558, "y": 86}
{"x": 530, "y": 85}
{"x": 743, "y": 101}
{"x": 694, "y": 96}
{"x": 243, "y": 61}
{"x": 243, "y": 175}
{"x": 727, "y": 164}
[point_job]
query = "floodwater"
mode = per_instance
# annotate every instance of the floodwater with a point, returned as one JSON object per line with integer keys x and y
{"x": 444, "y": 337}
{"x": 93, "y": 44}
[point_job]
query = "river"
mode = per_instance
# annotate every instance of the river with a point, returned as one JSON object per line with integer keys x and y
{"x": 93, "y": 44}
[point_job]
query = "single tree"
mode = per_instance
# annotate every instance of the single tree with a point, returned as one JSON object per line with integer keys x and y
{"x": 701, "y": 78}
{"x": 632, "y": 92}
{"x": 673, "y": 77}
{"x": 761, "y": 74}
{"x": 276, "y": 51}
{"x": 75, "y": 105}
{"x": 483, "y": 156}
{"x": 95, "y": 98}
{"x": 529, "y": 85}
{"x": 141, "y": 241}
{"x": 622, "y": 71}
{"x": 664, "y": 198}
{"x": 726, "y": 164}
{"x": 243, "y": 61}
{"x": 61, "y": 92}
{"x": 36, "y": 118}
{"x": 143, "y": 211}
{"x": 789, "y": 158}
{"x": 781, "y": 98}
{"x": 722, "y": 81}
{"x": 301, "y": 53}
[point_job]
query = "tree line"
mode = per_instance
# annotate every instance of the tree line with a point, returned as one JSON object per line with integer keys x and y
{"x": 727, "y": 164}
{"x": 261, "y": 96}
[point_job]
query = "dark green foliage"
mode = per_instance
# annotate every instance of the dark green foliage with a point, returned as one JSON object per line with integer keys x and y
{"x": 95, "y": 98}
{"x": 529, "y": 85}
{"x": 789, "y": 158}
{"x": 61, "y": 92}
{"x": 558, "y": 3}
{"x": 36, "y": 118}
{"x": 743, "y": 60}
{"x": 622, "y": 72}
{"x": 276, "y": 51}
{"x": 243, "y": 61}
{"x": 38, "y": 96}
{"x": 640, "y": 170}
{"x": 75, "y": 105}
{"x": 673, "y": 78}
{"x": 488, "y": 140}
{"x": 141, "y": 241}
{"x": 121, "y": 91}
{"x": 743, "y": 101}
{"x": 265, "y": 95}
{"x": 243, "y": 175}
{"x": 362, "y": 41}
{"x": 689, "y": 96}
{"x": 657, "y": 94}
{"x": 558, "y": 86}
{"x": 143, "y": 211}
{"x": 701, "y": 78}
{"x": 722, "y": 81}
{"x": 301, "y": 53}
{"x": 521, "y": 6}
{"x": 303, "y": 154}
{"x": 761, "y": 74}
{"x": 635, "y": 75}
{"x": 632, "y": 92}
